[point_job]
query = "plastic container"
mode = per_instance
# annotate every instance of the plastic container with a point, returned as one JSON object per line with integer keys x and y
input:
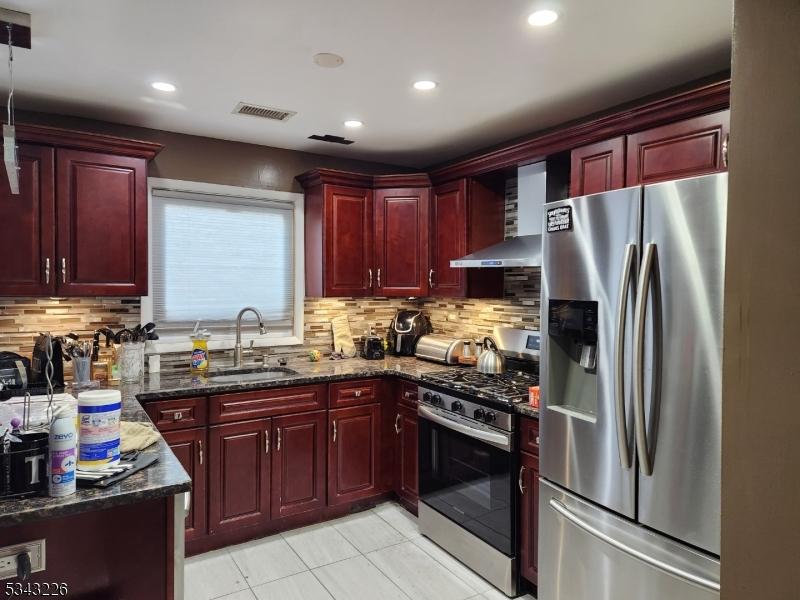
{"x": 62, "y": 459}
{"x": 98, "y": 415}
{"x": 199, "y": 363}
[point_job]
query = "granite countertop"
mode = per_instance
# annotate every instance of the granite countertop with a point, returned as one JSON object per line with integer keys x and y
{"x": 165, "y": 477}
{"x": 167, "y": 385}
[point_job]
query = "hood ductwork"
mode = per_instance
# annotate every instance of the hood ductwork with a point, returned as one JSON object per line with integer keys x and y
{"x": 524, "y": 250}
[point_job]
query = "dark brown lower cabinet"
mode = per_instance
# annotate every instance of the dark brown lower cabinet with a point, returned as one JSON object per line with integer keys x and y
{"x": 298, "y": 463}
{"x": 353, "y": 453}
{"x": 189, "y": 447}
{"x": 407, "y": 469}
{"x": 239, "y": 474}
{"x": 529, "y": 516}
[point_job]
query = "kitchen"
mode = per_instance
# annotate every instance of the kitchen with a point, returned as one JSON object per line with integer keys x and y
{"x": 355, "y": 434}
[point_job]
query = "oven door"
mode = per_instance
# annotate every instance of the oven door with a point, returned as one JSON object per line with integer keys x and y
{"x": 465, "y": 474}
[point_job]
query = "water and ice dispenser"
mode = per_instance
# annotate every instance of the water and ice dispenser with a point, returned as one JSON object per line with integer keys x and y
{"x": 572, "y": 328}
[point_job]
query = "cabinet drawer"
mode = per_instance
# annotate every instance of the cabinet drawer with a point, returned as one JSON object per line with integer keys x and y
{"x": 407, "y": 393}
{"x": 355, "y": 393}
{"x": 224, "y": 408}
{"x": 529, "y": 435}
{"x": 178, "y": 414}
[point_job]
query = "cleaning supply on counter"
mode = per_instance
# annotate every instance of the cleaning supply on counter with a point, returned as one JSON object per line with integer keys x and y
{"x": 199, "y": 362}
{"x": 62, "y": 460}
{"x": 99, "y": 415}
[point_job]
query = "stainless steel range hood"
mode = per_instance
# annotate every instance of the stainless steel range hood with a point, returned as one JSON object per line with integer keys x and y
{"x": 524, "y": 250}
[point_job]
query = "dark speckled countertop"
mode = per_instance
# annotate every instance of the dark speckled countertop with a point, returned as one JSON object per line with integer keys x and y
{"x": 166, "y": 477}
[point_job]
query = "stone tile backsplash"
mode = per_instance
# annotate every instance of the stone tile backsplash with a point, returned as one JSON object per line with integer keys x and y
{"x": 21, "y": 319}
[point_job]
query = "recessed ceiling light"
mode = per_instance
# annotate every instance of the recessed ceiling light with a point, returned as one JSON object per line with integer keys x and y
{"x": 540, "y": 18}
{"x": 425, "y": 85}
{"x": 328, "y": 60}
{"x": 353, "y": 123}
{"x": 163, "y": 86}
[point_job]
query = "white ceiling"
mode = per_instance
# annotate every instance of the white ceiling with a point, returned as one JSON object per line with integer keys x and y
{"x": 499, "y": 77}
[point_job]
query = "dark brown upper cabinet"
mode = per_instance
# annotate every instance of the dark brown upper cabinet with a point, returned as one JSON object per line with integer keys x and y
{"x": 401, "y": 241}
{"x": 466, "y": 215}
{"x": 696, "y": 146}
{"x": 598, "y": 167}
{"x": 79, "y": 225}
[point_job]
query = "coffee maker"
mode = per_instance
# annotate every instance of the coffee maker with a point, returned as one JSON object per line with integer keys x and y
{"x": 37, "y": 379}
{"x": 406, "y": 329}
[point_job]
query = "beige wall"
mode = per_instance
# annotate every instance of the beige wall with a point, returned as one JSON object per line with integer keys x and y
{"x": 761, "y": 370}
{"x": 196, "y": 158}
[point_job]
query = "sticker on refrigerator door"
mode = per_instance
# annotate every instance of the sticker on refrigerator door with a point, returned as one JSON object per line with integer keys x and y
{"x": 559, "y": 219}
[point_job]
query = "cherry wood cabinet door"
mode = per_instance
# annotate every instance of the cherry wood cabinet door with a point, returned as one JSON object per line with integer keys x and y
{"x": 529, "y": 516}
{"x": 407, "y": 430}
{"x": 401, "y": 242}
{"x": 348, "y": 241}
{"x": 101, "y": 204}
{"x": 27, "y": 228}
{"x": 298, "y": 463}
{"x": 189, "y": 447}
{"x": 695, "y": 146}
{"x": 239, "y": 474}
{"x": 448, "y": 239}
{"x": 353, "y": 453}
{"x": 598, "y": 167}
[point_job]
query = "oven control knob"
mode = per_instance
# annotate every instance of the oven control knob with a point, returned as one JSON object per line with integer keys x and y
{"x": 490, "y": 417}
{"x": 456, "y": 406}
{"x": 437, "y": 399}
{"x": 427, "y": 396}
{"x": 479, "y": 413}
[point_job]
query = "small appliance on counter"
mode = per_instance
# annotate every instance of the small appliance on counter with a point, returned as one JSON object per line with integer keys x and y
{"x": 39, "y": 362}
{"x": 405, "y": 330}
{"x": 373, "y": 347}
{"x": 440, "y": 348}
{"x": 13, "y": 372}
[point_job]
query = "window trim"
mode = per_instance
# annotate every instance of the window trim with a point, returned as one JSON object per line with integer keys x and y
{"x": 180, "y": 343}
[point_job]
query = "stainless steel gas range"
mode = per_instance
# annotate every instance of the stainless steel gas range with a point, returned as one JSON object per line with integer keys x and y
{"x": 467, "y": 461}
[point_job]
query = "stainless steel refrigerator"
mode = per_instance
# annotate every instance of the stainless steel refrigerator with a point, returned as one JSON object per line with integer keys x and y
{"x": 631, "y": 363}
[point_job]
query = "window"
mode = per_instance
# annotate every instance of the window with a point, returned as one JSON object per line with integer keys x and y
{"x": 216, "y": 249}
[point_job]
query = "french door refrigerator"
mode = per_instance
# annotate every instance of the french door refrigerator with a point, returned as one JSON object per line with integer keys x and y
{"x": 632, "y": 290}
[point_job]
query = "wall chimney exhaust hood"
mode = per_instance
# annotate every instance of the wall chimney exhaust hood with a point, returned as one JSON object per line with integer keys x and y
{"x": 524, "y": 250}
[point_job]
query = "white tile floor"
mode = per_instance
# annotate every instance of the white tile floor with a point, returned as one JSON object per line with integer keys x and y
{"x": 377, "y": 554}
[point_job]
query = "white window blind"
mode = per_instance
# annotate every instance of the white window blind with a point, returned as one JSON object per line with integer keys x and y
{"x": 213, "y": 255}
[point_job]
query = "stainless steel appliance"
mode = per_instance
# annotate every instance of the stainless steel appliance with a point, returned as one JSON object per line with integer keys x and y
{"x": 405, "y": 330}
{"x": 440, "y": 348}
{"x": 632, "y": 289}
{"x": 468, "y": 464}
{"x": 490, "y": 360}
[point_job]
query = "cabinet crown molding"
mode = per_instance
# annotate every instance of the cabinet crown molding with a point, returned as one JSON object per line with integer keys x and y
{"x": 81, "y": 140}
{"x": 335, "y": 177}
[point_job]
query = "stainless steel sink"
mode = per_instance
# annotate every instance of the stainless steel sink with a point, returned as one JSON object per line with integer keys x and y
{"x": 251, "y": 374}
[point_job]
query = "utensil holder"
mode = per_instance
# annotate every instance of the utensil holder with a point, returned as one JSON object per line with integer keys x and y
{"x": 81, "y": 369}
{"x": 130, "y": 359}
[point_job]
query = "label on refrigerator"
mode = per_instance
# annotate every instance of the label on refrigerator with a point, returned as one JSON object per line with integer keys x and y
{"x": 559, "y": 219}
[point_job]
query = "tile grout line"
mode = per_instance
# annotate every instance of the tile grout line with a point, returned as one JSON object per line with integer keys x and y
{"x": 382, "y": 572}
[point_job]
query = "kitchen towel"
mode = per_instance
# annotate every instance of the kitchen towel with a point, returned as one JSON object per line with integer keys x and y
{"x": 136, "y": 436}
{"x": 342, "y": 336}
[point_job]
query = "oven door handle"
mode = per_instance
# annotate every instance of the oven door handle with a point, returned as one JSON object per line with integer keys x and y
{"x": 495, "y": 439}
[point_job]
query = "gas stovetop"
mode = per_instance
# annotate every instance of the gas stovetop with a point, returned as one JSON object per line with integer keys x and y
{"x": 510, "y": 387}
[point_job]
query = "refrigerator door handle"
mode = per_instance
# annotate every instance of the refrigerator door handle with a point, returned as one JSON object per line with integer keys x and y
{"x": 640, "y": 313}
{"x": 562, "y": 510}
{"x": 619, "y": 357}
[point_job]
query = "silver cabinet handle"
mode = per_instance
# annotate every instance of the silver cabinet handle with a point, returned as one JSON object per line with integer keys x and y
{"x": 63, "y": 270}
{"x": 619, "y": 357}
{"x": 519, "y": 480}
{"x": 397, "y": 424}
{"x": 623, "y": 547}
{"x": 266, "y": 441}
{"x": 47, "y": 270}
{"x": 430, "y": 278}
{"x": 370, "y": 277}
{"x": 187, "y": 502}
{"x": 177, "y": 416}
{"x": 406, "y": 394}
{"x": 379, "y": 277}
{"x": 640, "y": 313}
{"x": 725, "y": 151}
{"x": 200, "y": 446}
{"x": 334, "y": 432}
{"x": 357, "y": 393}
{"x": 278, "y": 441}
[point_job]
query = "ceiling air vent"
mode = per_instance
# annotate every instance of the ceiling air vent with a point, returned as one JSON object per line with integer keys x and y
{"x": 333, "y": 139}
{"x": 264, "y": 112}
